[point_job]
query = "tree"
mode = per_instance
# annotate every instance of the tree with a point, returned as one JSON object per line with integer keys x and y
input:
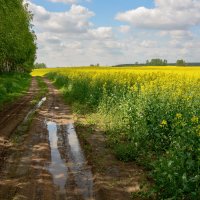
{"x": 180, "y": 63}
{"x": 40, "y": 65}
{"x": 17, "y": 39}
{"x": 156, "y": 62}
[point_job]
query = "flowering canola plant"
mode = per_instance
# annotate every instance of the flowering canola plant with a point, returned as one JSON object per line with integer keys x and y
{"x": 151, "y": 115}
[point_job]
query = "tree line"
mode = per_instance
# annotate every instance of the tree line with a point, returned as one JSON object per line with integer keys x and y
{"x": 160, "y": 62}
{"x": 17, "y": 38}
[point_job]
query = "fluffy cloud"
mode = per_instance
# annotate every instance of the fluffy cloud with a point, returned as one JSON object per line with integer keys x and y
{"x": 101, "y": 32}
{"x": 75, "y": 20}
{"x": 167, "y": 15}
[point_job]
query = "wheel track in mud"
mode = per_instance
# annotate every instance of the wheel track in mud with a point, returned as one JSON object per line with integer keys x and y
{"x": 11, "y": 113}
{"x": 10, "y": 118}
{"x": 16, "y": 111}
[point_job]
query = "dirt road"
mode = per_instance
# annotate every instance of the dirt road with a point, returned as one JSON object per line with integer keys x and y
{"x": 45, "y": 161}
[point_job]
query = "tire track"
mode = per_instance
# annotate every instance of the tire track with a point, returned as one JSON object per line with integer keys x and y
{"x": 13, "y": 115}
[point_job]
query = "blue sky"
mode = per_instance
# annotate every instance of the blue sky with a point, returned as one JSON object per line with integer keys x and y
{"x": 83, "y": 32}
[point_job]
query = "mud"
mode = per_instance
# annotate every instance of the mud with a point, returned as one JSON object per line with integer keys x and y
{"x": 11, "y": 117}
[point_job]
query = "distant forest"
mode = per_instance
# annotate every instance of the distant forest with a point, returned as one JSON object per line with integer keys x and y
{"x": 144, "y": 64}
{"x": 160, "y": 62}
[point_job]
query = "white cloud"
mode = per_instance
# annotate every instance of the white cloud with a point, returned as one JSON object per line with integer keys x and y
{"x": 101, "y": 32}
{"x": 75, "y": 20}
{"x": 148, "y": 44}
{"x": 167, "y": 15}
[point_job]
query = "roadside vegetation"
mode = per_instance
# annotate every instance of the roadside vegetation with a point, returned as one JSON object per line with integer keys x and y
{"x": 12, "y": 86}
{"x": 150, "y": 115}
{"x": 43, "y": 88}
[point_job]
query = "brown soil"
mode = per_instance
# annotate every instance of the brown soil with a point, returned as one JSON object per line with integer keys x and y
{"x": 25, "y": 156}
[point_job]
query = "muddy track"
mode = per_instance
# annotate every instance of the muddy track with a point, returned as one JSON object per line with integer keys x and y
{"x": 47, "y": 163}
{"x": 12, "y": 115}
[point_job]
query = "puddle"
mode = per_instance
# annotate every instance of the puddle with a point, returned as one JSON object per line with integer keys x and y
{"x": 68, "y": 164}
{"x": 57, "y": 167}
{"x": 32, "y": 111}
{"x": 22, "y": 128}
{"x": 83, "y": 175}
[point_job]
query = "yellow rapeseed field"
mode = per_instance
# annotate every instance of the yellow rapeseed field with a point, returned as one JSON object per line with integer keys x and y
{"x": 150, "y": 114}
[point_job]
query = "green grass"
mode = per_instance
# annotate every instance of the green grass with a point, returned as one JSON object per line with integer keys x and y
{"x": 12, "y": 86}
{"x": 43, "y": 89}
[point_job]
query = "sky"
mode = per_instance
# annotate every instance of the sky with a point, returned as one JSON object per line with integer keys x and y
{"x": 111, "y": 32}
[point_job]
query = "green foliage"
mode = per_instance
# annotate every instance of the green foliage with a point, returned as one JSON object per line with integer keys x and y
{"x": 125, "y": 152}
{"x": 43, "y": 88}
{"x": 12, "y": 86}
{"x": 79, "y": 91}
{"x": 177, "y": 171}
{"x": 17, "y": 39}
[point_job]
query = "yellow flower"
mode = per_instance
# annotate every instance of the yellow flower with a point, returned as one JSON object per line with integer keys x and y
{"x": 178, "y": 116}
{"x": 195, "y": 119}
{"x": 163, "y": 123}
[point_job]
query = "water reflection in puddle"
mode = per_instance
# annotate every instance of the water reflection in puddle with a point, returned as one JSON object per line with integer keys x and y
{"x": 57, "y": 167}
{"x": 33, "y": 110}
{"x": 67, "y": 160}
{"x": 23, "y": 126}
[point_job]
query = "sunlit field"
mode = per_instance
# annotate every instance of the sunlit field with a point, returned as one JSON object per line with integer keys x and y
{"x": 170, "y": 69}
{"x": 150, "y": 114}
